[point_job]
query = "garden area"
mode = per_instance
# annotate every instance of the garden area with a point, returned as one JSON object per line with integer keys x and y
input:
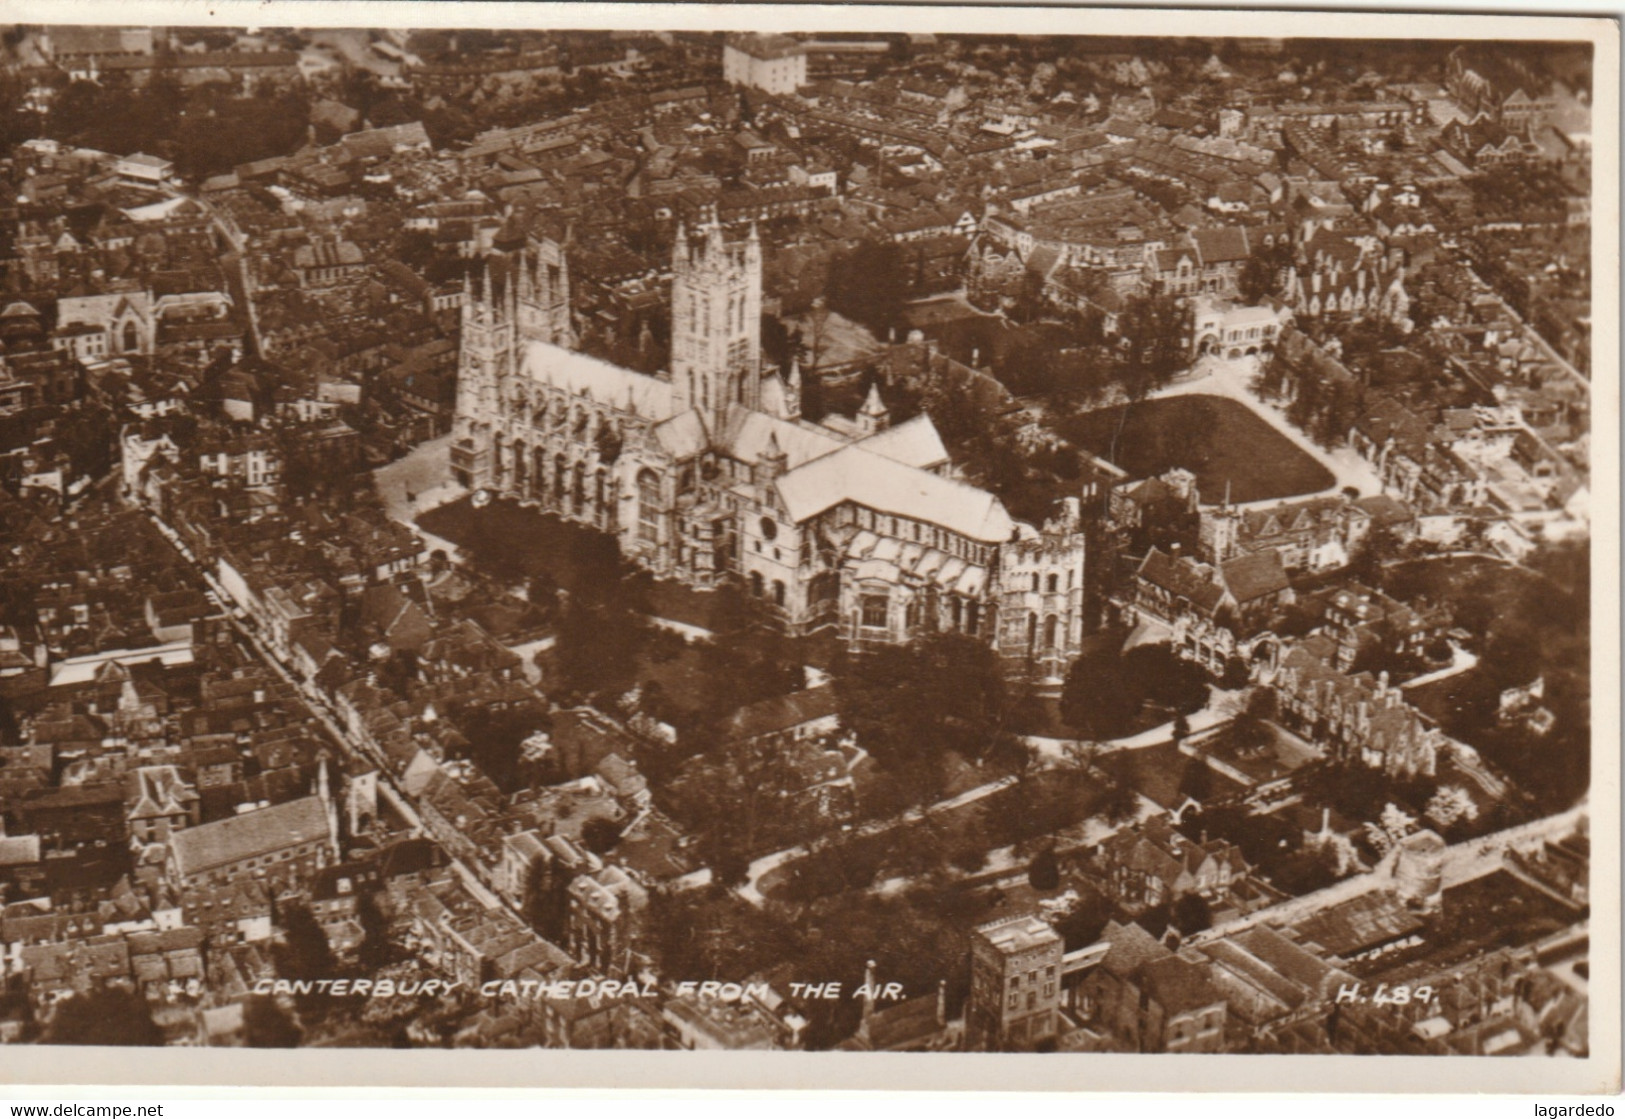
{"x": 513, "y": 542}
{"x": 1531, "y": 622}
{"x": 1038, "y": 805}
{"x": 1217, "y": 439}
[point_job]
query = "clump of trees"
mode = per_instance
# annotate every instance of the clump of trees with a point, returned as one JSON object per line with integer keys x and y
{"x": 206, "y": 130}
{"x": 914, "y": 707}
{"x": 869, "y": 285}
{"x": 1107, "y": 694}
{"x": 109, "y": 1016}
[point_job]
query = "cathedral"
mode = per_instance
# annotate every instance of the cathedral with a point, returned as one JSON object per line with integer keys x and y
{"x": 707, "y": 472}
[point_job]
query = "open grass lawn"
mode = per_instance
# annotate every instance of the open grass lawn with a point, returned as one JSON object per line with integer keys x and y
{"x": 1218, "y": 439}
{"x": 513, "y": 542}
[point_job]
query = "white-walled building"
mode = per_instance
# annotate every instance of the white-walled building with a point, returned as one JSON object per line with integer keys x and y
{"x": 772, "y": 63}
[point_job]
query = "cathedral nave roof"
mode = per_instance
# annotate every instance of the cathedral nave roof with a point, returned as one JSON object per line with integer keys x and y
{"x": 605, "y": 383}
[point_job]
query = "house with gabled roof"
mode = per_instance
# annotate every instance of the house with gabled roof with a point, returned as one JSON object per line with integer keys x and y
{"x": 284, "y": 843}
{"x": 1355, "y": 717}
{"x": 161, "y": 802}
{"x": 1211, "y": 612}
{"x": 1154, "y": 865}
{"x": 1312, "y": 534}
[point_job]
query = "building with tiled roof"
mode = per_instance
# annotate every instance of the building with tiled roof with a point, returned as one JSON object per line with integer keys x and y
{"x": 1356, "y": 718}
{"x": 1153, "y": 865}
{"x": 1313, "y": 534}
{"x": 284, "y": 843}
{"x": 1213, "y": 612}
{"x": 161, "y": 803}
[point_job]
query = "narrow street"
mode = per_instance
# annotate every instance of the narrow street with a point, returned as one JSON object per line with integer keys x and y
{"x": 329, "y": 719}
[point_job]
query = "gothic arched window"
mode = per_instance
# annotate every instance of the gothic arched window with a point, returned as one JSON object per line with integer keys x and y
{"x": 649, "y": 507}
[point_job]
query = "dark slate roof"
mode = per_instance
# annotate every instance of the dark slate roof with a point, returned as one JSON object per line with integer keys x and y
{"x": 782, "y": 713}
{"x": 1181, "y": 577}
{"x": 1131, "y": 946}
{"x": 1253, "y": 576}
{"x": 1179, "y": 985}
{"x": 244, "y": 837}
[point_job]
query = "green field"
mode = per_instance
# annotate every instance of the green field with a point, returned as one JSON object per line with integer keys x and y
{"x": 1217, "y": 439}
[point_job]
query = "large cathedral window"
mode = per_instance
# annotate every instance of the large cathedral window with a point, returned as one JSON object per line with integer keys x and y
{"x": 875, "y": 609}
{"x": 648, "y": 507}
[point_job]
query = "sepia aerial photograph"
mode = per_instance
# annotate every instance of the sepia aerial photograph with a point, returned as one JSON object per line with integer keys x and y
{"x": 864, "y": 541}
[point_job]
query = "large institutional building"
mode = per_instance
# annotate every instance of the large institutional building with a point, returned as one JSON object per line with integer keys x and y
{"x": 774, "y": 63}
{"x": 708, "y": 472}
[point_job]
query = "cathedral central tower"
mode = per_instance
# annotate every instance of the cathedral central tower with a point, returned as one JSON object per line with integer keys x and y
{"x": 716, "y": 329}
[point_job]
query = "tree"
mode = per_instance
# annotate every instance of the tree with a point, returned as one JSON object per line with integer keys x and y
{"x": 869, "y": 285}
{"x": 1250, "y": 732}
{"x": 817, "y": 329}
{"x": 743, "y": 800}
{"x": 1192, "y": 914}
{"x": 1449, "y": 804}
{"x": 545, "y": 901}
{"x": 1257, "y": 280}
{"x": 598, "y": 644}
{"x": 968, "y": 856}
{"x": 1153, "y": 332}
{"x": 376, "y": 950}
{"x": 1236, "y": 674}
{"x": 1044, "y": 873}
{"x": 543, "y": 593}
{"x": 494, "y": 736}
{"x": 1083, "y": 924}
{"x": 1168, "y": 680}
{"x": 1273, "y": 376}
{"x": 304, "y": 953}
{"x": 1121, "y": 802}
{"x": 267, "y": 1026}
{"x": 108, "y": 1016}
{"x": 1097, "y": 699}
{"x": 1380, "y": 546}
{"x": 600, "y": 835}
{"x": 1197, "y": 781}
{"x": 710, "y": 933}
{"x": 956, "y": 702}
{"x": 1388, "y": 829}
